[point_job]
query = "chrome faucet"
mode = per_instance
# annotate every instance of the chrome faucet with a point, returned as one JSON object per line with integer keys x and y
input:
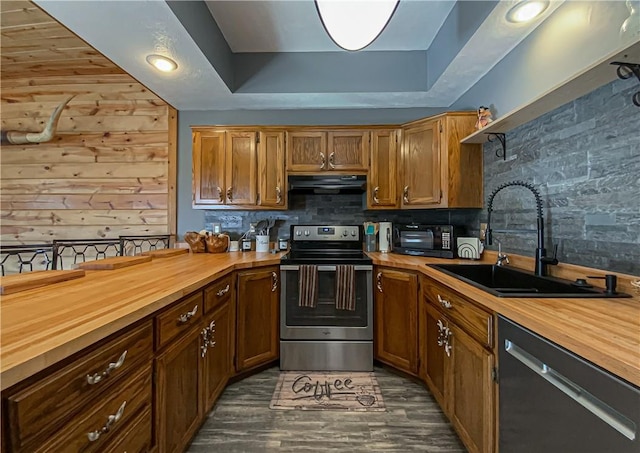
{"x": 542, "y": 260}
{"x": 503, "y": 258}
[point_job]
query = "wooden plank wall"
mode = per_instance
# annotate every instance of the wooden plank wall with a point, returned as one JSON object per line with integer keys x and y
{"x": 106, "y": 172}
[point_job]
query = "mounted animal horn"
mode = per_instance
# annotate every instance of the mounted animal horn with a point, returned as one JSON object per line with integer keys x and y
{"x": 23, "y": 138}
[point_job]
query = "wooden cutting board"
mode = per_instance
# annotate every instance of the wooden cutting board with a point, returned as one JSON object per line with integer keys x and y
{"x": 22, "y": 282}
{"x": 117, "y": 262}
{"x": 165, "y": 253}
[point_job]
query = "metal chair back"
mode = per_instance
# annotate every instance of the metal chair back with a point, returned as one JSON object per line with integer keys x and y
{"x": 16, "y": 259}
{"x": 135, "y": 245}
{"x": 67, "y": 252}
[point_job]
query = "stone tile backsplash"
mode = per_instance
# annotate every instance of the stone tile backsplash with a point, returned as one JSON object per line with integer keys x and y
{"x": 584, "y": 157}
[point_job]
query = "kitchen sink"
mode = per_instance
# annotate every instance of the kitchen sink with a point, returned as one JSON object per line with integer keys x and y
{"x": 509, "y": 282}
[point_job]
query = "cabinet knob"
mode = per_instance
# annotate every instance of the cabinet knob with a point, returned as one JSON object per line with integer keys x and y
{"x": 375, "y": 195}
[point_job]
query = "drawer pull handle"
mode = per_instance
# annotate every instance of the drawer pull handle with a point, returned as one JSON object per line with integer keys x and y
{"x": 447, "y": 342}
{"x": 111, "y": 420}
{"x": 223, "y": 291}
{"x": 185, "y": 317}
{"x": 444, "y": 302}
{"x": 97, "y": 377}
{"x": 441, "y": 333}
{"x": 379, "y": 281}
{"x": 274, "y": 277}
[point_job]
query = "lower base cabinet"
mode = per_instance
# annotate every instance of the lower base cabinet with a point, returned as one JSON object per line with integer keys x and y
{"x": 457, "y": 363}
{"x": 258, "y": 294}
{"x": 179, "y": 406}
{"x": 219, "y": 336}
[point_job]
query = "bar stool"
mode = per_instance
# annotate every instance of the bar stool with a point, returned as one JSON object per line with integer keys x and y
{"x": 82, "y": 250}
{"x": 16, "y": 259}
{"x": 135, "y": 245}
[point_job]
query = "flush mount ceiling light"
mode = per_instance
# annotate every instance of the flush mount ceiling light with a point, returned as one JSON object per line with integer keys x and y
{"x": 526, "y": 10}
{"x": 355, "y": 24}
{"x": 162, "y": 63}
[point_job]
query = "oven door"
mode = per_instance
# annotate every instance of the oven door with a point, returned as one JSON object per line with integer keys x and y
{"x": 324, "y": 321}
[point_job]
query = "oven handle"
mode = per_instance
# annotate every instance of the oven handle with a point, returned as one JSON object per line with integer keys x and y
{"x": 358, "y": 267}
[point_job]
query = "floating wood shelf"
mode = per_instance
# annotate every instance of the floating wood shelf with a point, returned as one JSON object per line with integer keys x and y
{"x": 596, "y": 75}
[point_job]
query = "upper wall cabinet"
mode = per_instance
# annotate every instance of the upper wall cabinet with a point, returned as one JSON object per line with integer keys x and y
{"x": 273, "y": 189}
{"x": 382, "y": 190}
{"x": 230, "y": 165}
{"x": 436, "y": 170}
{"x": 313, "y": 151}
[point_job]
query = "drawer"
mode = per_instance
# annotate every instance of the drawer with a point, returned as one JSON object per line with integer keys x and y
{"x": 217, "y": 293}
{"x": 136, "y": 437}
{"x": 103, "y": 421}
{"x": 178, "y": 319}
{"x": 471, "y": 318}
{"x": 41, "y": 408}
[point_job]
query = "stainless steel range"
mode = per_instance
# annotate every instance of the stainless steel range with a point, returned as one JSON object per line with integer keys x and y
{"x": 326, "y": 300}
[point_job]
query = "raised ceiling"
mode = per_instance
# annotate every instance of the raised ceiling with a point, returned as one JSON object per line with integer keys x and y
{"x": 264, "y": 55}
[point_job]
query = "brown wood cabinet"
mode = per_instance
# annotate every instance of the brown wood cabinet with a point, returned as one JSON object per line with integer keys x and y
{"x": 436, "y": 171}
{"x": 258, "y": 292}
{"x": 179, "y": 406}
{"x": 457, "y": 363}
{"x": 396, "y": 319}
{"x": 224, "y": 167}
{"x": 271, "y": 175}
{"x": 382, "y": 192}
{"x": 341, "y": 150}
{"x": 46, "y": 414}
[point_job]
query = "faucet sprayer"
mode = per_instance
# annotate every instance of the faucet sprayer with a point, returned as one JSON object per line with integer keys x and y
{"x": 541, "y": 253}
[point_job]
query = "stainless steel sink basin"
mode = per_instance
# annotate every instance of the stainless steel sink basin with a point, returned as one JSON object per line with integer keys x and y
{"x": 509, "y": 282}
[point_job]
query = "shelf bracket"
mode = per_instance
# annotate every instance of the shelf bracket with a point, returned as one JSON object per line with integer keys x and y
{"x": 502, "y": 138}
{"x": 626, "y": 71}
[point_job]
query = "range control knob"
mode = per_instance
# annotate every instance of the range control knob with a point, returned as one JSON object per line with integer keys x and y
{"x": 353, "y": 233}
{"x": 306, "y": 232}
{"x": 298, "y": 233}
{"x": 344, "y": 233}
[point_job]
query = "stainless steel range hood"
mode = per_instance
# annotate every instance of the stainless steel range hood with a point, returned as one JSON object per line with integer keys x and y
{"x": 329, "y": 184}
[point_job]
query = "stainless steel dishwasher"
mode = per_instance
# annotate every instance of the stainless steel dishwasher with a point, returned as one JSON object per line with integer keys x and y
{"x": 554, "y": 401}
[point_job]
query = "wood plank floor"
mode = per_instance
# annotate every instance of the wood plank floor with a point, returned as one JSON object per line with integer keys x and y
{"x": 243, "y": 422}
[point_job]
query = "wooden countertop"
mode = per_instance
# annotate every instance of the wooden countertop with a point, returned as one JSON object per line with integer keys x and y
{"x": 603, "y": 331}
{"x": 42, "y": 326}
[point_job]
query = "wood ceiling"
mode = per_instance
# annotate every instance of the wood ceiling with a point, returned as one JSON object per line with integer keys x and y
{"x": 33, "y": 44}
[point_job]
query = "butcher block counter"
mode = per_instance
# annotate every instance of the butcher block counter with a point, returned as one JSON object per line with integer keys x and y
{"x": 603, "y": 331}
{"x": 40, "y": 327}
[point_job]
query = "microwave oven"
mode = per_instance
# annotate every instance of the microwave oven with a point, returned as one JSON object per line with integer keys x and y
{"x": 437, "y": 241}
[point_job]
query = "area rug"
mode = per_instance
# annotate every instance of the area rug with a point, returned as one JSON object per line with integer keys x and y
{"x": 328, "y": 390}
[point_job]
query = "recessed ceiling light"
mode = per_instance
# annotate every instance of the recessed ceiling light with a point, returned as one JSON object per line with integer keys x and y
{"x": 353, "y": 25}
{"x": 526, "y": 10}
{"x": 162, "y": 63}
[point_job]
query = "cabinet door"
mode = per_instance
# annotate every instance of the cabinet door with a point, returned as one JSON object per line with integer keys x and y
{"x": 179, "y": 407}
{"x": 208, "y": 167}
{"x": 217, "y": 352}
{"x": 271, "y": 177}
{"x": 241, "y": 164}
{"x": 396, "y": 319}
{"x": 383, "y": 176}
{"x": 433, "y": 361}
{"x": 348, "y": 150}
{"x": 421, "y": 166}
{"x": 472, "y": 391}
{"x": 257, "y": 317}
{"x": 306, "y": 151}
